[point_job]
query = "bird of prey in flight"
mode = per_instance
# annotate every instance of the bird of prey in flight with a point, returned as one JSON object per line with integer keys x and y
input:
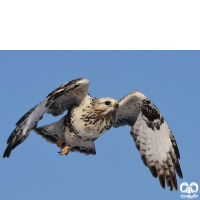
{"x": 88, "y": 118}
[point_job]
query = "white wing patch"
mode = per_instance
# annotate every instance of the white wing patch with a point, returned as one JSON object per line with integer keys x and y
{"x": 156, "y": 150}
{"x": 152, "y": 136}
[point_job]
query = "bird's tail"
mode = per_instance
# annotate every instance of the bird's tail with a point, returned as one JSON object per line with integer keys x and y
{"x": 52, "y": 132}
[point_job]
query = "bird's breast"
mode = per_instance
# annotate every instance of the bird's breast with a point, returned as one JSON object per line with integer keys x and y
{"x": 87, "y": 124}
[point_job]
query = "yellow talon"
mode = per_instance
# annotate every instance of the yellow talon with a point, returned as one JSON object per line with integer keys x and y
{"x": 59, "y": 143}
{"x": 65, "y": 150}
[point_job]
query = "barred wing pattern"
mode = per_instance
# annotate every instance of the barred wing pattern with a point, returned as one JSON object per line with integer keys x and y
{"x": 66, "y": 96}
{"x": 152, "y": 137}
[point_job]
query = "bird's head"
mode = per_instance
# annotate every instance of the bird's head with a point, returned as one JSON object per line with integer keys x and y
{"x": 106, "y": 105}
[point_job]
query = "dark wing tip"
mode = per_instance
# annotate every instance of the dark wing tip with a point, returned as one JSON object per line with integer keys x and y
{"x": 7, "y": 151}
{"x": 162, "y": 180}
{"x": 12, "y": 135}
{"x": 172, "y": 183}
{"x": 178, "y": 170}
{"x": 153, "y": 171}
{"x": 10, "y": 138}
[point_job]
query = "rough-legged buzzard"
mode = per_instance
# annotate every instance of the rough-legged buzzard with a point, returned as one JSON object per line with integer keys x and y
{"x": 89, "y": 117}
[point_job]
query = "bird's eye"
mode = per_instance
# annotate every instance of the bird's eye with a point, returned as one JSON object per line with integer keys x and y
{"x": 107, "y": 102}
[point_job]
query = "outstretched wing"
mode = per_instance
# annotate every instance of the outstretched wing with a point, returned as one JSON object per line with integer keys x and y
{"x": 152, "y": 136}
{"x": 66, "y": 96}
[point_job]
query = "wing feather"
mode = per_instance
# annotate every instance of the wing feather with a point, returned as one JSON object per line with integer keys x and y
{"x": 152, "y": 137}
{"x": 63, "y": 100}
{"x": 66, "y": 96}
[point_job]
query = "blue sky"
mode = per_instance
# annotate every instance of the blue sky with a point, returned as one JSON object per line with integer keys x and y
{"x": 171, "y": 79}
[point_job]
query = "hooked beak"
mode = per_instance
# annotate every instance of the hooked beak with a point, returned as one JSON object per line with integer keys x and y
{"x": 115, "y": 105}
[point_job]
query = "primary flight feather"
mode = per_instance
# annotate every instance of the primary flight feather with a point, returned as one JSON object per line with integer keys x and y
{"x": 88, "y": 118}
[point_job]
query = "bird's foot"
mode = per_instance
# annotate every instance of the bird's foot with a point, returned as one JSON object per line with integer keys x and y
{"x": 64, "y": 150}
{"x": 59, "y": 143}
